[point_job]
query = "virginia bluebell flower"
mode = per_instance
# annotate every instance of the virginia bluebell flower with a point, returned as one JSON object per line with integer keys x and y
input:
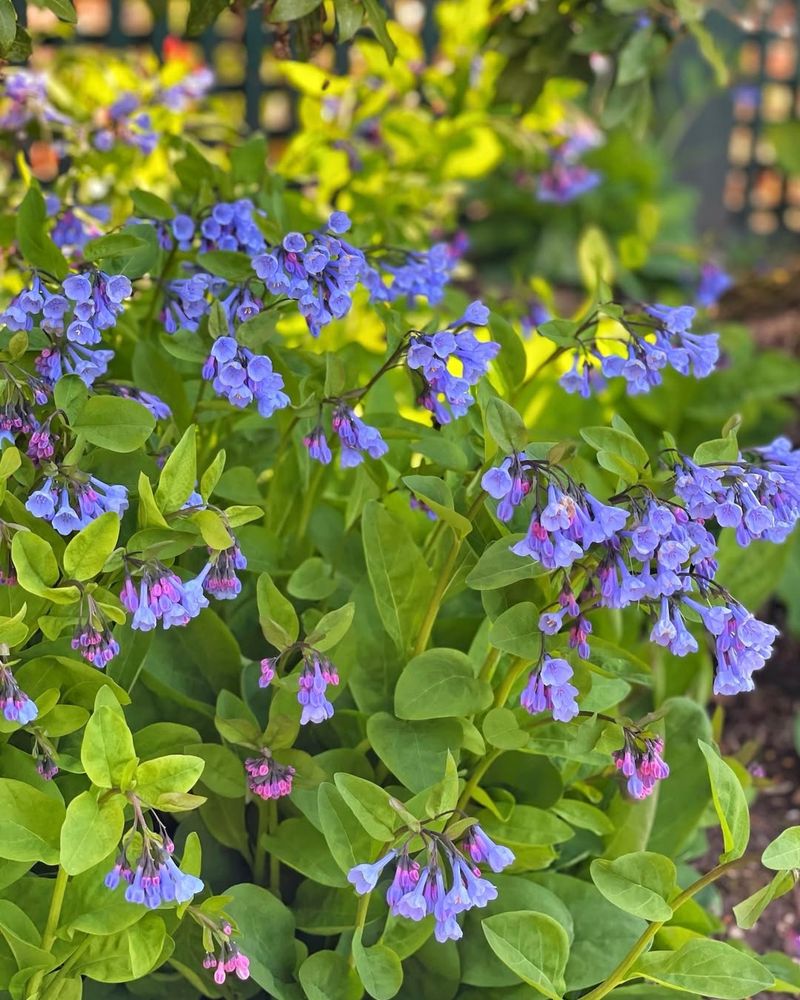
{"x": 714, "y": 282}
{"x": 564, "y": 182}
{"x": 232, "y": 226}
{"x": 242, "y": 377}
{"x": 419, "y": 274}
{"x": 266, "y": 778}
{"x": 510, "y": 482}
{"x": 124, "y": 122}
{"x": 92, "y": 637}
{"x": 64, "y": 358}
{"x": 220, "y": 579}
{"x": 15, "y": 705}
{"x": 640, "y": 761}
{"x": 268, "y": 667}
{"x": 357, "y": 439}
{"x": 439, "y": 356}
{"x": 69, "y": 503}
{"x": 155, "y": 879}
{"x": 316, "y": 674}
{"x": 163, "y": 596}
{"x": 549, "y": 690}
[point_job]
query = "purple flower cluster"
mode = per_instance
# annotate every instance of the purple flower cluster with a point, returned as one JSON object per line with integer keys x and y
{"x": 714, "y": 282}
{"x": 421, "y": 274}
{"x": 316, "y": 674}
{"x": 758, "y": 498}
{"x": 549, "y": 690}
{"x": 149, "y": 400}
{"x": 566, "y": 179}
{"x": 92, "y": 637}
{"x": 187, "y": 300}
{"x": 267, "y": 674}
{"x": 64, "y": 358}
{"x": 242, "y": 377}
{"x": 319, "y": 272}
{"x": 231, "y": 225}
{"x": 534, "y": 317}
{"x": 219, "y": 575}
{"x": 25, "y": 99}
{"x": 640, "y": 761}
{"x": 70, "y": 504}
{"x": 510, "y": 482}
{"x": 230, "y": 959}
{"x": 15, "y": 705}
{"x": 163, "y": 597}
{"x": 447, "y": 884}
{"x": 266, "y": 778}
{"x": 437, "y": 356}
{"x": 155, "y": 879}
{"x": 356, "y": 437}
{"x": 125, "y": 122}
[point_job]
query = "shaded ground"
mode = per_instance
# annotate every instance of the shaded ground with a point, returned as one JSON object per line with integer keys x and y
{"x": 767, "y": 717}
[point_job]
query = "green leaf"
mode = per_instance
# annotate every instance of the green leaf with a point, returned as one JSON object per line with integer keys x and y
{"x": 710, "y": 968}
{"x": 617, "y": 443}
{"x": 266, "y": 935}
{"x": 63, "y": 9}
{"x": 171, "y": 773}
{"x": 376, "y": 18}
{"x": 127, "y": 955}
{"x": 13, "y": 630}
{"x": 210, "y": 478}
{"x": 203, "y": 13}
{"x": 331, "y": 628}
{"x": 87, "y": 552}
{"x": 370, "y": 804}
{"x": 749, "y": 910}
{"x": 584, "y": 816}
{"x": 179, "y": 475}
{"x": 275, "y": 613}
{"x": 37, "y": 568}
{"x": 8, "y": 25}
{"x": 719, "y": 450}
{"x": 505, "y": 426}
{"x": 114, "y": 423}
{"x": 416, "y": 752}
{"x": 436, "y": 494}
{"x": 401, "y": 580}
{"x": 499, "y": 567}
{"x": 112, "y": 246}
{"x": 349, "y": 16}
{"x": 70, "y": 394}
{"x": 346, "y": 838}
{"x": 440, "y": 683}
{"x": 784, "y": 851}
{"x": 516, "y": 631}
{"x": 559, "y": 331}
{"x": 326, "y": 975}
{"x": 90, "y": 832}
{"x": 32, "y": 237}
{"x": 292, "y": 10}
{"x": 313, "y": 580}
{"x": 30, "y": 823}
{"x": 533, "y": 946}
{"x": 151, "y": 206}
{"x": 213, "y": 529}
{"x": 227, "y": 264}
{"x": 300, "y": 846}
{"x": 501, "y": 730}
{"x": 107, "y": 748}
{"x": 730, "y": 803}
{"x": 640, "y": 883}
{"x": 595, "y": 258}
{"x": 378, "y": 968}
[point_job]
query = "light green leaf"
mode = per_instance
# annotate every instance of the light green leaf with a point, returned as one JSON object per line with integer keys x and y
{"x": 749, "y": 910}
{"x": 370, "y": 805}
{"x": 640, "y": 883}
{"x": 275, "y": 613}
{"x": 107, "y": 747}
{"x": 90, "y": 832}
{"x": 179, "y": 475}
{"x": 784, "y": 851}
{"x": 86, "y": 553}
{"x": 710, "y": 968}
{"x": 730, "y": 803}
{"x": 30, "y": 822}
{"x": 533, "y": 946}
{"x": 440, "y": 683}
{"x": 379, "y": 969}
{"x": 37, "y": 568}
{"x": 332, "y": 627}
{"x": 114, "y": 423}
{"x": 172, "y": 773}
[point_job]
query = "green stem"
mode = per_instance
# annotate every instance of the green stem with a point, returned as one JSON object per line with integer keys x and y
{"x": 474, "y": 779}
{"x": 490, "y": 665}
{"x": 621, "y": 972}
{"x": 260, "y": 853}
{"x": 66, "y": 968}
{"x": 49, "y": 935}
{"x": 274, "y": 863}
{"x": 517, "y": 668}
{"x": 308, "y": 501}
{"x": 361, "y": 919}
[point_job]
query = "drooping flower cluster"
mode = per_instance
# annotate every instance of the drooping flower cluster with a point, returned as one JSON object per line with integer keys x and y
{"x": 70, "y": 503}
{"x": 242, "y": 377}
{"x": 566, "y": 179}
{"x": 418, "y": 274}
{"x": 640, "y": 761}
{"x": 714, "y": 282}
{"x": 92, "y": 637}
{"x": 266, "y": 778}
{"x": 15, "y": 705}
{"x": 357, "y": 439}
{"x": 229, "y": 226}
{"x": 549, "y": 690}
{"x": 760, "y": 498}
{"x": 316, "y": 674}
{"x": 153, "y": 878}
{"x": 187, "y": 299}
{"x": 447, "y": 882}
{"x": 25, "y": 99}
{"x": 319, "y": 272}
{"x": 125, "y": 122}
{"x": 450, "y": 362}
{"x": 162, "y": 597}
{"x": 228, "y": 959}
{"x": 219, "y": 575}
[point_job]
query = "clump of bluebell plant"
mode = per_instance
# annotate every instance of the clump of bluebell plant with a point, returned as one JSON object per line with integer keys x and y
{"x": 442, "y": 880}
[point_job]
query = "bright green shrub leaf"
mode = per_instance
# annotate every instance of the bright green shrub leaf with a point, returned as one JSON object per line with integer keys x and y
{"x": 30, "y": 823}
{"x": 730, "y": 803}
{"x": 91, "y": 830}
{"x": 440, "y": 683}
{"x": 86, "y": 552}
{"x": 618, "y": 443}
{"x": 370, "y": 805}
{"x": 711, "y": 968}
{"x": 312, "y": 580}
{"x": 275, "y": 613}
{"x": 501, "y": 730}
{"x": 179, "y": 475}
{"x": 719, "y": 450}
{"x": 437, "y": 495}
{"x": 784, "y": 851}
{"x": 173, "y": 773}
{"x": 223, "y": 773}
{"x": 640, "y": 883}
{"x": 533, "y": 946}
{"x": 584, "y": 815}
{"x": 210, "y": 478}
{"x": 13, "y": 630}
{"x": 37, "y": 568}
{"x": 127, "y": 955}
{"x": 151, "y": 205}
{"x": 346, "y": 837}
{"x": 498, "y": 566}
{"x": 112, "y": 246}
{"x": 114, "y": 423}
{"x": 416, "y": 752}
{"x": 70, "y": 394}
{"x": 213, "y": 529}
{"x": 378, "y": 968}
{"x": 505, "y": 426}
{"x": 107, "y": 747}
